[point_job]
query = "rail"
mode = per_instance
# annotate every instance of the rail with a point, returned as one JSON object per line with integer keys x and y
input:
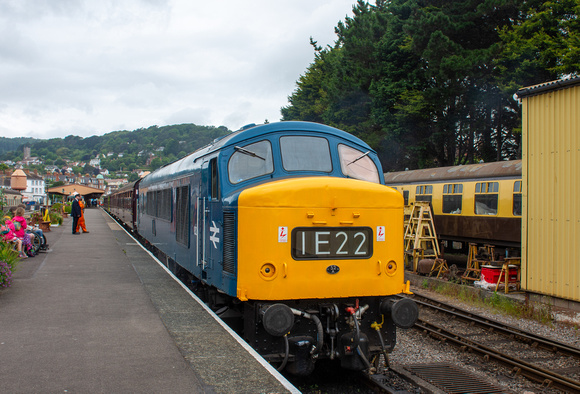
{"x": 532, "y": 371}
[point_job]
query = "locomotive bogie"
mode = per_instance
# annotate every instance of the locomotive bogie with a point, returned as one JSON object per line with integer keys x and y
{"x": 329, "y": 329}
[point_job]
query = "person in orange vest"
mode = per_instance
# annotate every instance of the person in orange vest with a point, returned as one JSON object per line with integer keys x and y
{"x": 81, "y": 222}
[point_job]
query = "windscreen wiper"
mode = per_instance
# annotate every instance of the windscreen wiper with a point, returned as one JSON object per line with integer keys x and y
{"x": 249, "y": 153}
{"x": 358, "y": 158}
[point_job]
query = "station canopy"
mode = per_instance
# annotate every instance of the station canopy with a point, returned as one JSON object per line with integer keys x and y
{"x": 67, "y": 190}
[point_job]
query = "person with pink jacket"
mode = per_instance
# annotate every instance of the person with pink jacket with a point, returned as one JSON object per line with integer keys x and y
{"x": 20, "y": 225}
{"x": 9, "y": 235}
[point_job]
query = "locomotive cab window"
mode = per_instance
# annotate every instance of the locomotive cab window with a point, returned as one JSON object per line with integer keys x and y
{"x": 250, "y": 161}
{"x": 517, "y": 203}
{"x": 452, "y": 198}
{"x": 486, "y": 198}
{"x": 357, "y": 164}
{"x": 424, "y": 193}
{"x": 301, "y": 153}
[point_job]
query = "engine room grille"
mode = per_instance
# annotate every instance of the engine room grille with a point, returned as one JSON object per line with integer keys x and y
{"x": 230, "y": 242}
{"x": 182, "y": 216}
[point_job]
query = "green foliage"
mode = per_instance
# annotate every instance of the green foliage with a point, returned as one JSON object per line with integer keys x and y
{"x": 13, "y": 144}
{"x": 35, "y": 217}
{"x": 126, "y": 150}
{"x": 55, "y": 218}
{"x": 56, "y": 207}
{"x": 538, "y": 312}
{"x": 3, "y": 202}
{"x": 8, "y": 262}
{"x": 133, "y": 177}
{"x": 431, "y": 83}
{"x": 542, "y": 46}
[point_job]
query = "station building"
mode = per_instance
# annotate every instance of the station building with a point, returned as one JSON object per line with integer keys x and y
{"x": 551, "y": 190}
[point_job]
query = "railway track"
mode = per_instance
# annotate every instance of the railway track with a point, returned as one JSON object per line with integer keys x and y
{"x": 547, "y": 362}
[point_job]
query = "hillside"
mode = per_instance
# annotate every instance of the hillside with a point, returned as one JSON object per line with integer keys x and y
{"x": 121, "y": 150}
{"x": 11, "y": 144}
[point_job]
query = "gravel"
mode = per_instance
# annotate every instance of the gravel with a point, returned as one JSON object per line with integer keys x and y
{"x": 415, "y": 348}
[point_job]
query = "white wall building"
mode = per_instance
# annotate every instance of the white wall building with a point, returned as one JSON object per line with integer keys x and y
{"x": 35, "y": 189}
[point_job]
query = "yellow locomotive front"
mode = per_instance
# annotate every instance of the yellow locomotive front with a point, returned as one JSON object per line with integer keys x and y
{"x": 320, "y": 260}
{"x": 319, "y": 237}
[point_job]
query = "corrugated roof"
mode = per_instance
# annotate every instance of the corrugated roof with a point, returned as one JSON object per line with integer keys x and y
{"x": 498, "y": 169}
{"x": 547, "y": 87}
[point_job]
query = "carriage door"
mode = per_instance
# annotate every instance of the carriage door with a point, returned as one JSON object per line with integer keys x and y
{"x": 210, "y": 238}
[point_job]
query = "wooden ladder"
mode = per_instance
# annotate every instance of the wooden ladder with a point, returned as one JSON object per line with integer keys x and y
{"x": 420, "y": 236}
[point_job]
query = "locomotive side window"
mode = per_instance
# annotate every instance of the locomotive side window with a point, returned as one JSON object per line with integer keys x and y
{"x": 182, "y": 215}
{"x": 486, "y": 197}
{"x": 250, "y": 161}
{"x": 452, "y": 198}
{"x": 301, "y": 153}
{"x": 215, "y": 186}
{"x": 517, "y": 204}
{"x": 356, "y": 164}
{"x": 424, "y": 193}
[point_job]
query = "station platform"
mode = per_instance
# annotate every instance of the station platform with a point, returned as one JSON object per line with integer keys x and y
{"x": 98, "y": 314}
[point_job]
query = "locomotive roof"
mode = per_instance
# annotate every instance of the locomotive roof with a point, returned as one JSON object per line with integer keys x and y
{"x": 247, "y": 133}
{"x": 251, "y": 131}
{"x": 499, "y": 169}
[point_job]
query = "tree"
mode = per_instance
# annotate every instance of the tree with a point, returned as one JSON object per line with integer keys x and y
{"x": 542, "y": 45}
{"x": 418, "y": 81}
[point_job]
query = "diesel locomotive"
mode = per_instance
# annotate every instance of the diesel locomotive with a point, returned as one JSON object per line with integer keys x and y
{"x": 287, "y": 231}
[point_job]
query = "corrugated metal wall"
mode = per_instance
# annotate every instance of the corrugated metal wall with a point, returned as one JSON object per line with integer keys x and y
{"x": 551, "y": 193}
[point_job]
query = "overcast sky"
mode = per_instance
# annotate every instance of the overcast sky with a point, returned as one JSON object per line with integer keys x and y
{"x": 91, "y": 67}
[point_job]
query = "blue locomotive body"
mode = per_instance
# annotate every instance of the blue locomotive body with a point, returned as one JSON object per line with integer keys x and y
{"x": 183, "y": 207}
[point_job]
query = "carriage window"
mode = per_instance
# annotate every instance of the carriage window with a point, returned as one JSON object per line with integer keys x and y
{"x": 424, "y": 193}
{"x": 250, "y": 161}
{"x": 357, "y": 164}
{"x": 452, "y": 198}
{"x": 182, "y": 215}
{"x": 406, "y": 196}
{"x": 517, "y": 204}
{"x": 486, "y": 197}
{"x": 305, "y": 154}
